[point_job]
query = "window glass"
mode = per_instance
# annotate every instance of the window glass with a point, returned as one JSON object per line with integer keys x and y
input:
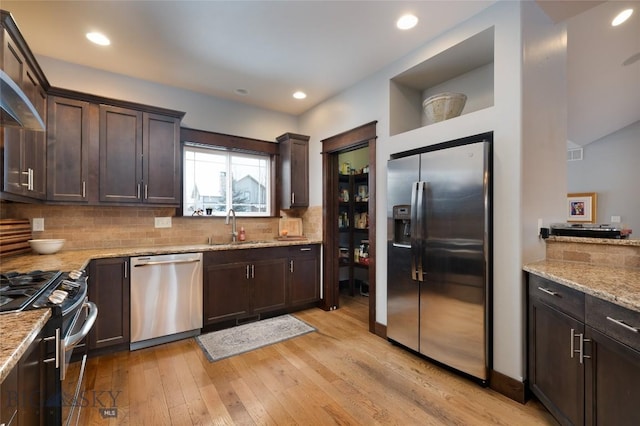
{"x": 217, "y": 180}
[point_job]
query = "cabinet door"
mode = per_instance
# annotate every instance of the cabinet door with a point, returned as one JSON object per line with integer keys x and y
{"x": 226, "y": 291}
{"x": 556, "y": 376}
{"x": 109, "y": 290}
{"x": 612, "y": 391}
{"x": 67, "y": 150}
{"x": 9, "y": 398}
{"x": 304, "y": 269}
{"x": 30, "y": 384}
{"x": 161, "y": 163}
{"x": 120, "y": 155}
{"x": 294, "y": 163}
{"x": 268, "y": 284}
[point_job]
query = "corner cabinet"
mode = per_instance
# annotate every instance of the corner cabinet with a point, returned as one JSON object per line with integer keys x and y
{"x": 294, "y": 164}
{"x": 109, "y": 290}
{"x": 584, "y": 355}
{"x": 139, "y": 157}
{"x": 245, "y": 285}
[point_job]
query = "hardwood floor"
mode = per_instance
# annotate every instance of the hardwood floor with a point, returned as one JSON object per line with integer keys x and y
{"x": 341, "y": 374}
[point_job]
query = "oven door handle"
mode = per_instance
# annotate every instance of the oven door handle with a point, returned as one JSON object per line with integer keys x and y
{"x": 71, "y": 341}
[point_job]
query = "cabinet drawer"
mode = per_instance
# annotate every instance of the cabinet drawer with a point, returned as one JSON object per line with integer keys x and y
{"x": 311, "y": 250}
{"x": 615, "y": 321}
{"x": 563, "y": 298}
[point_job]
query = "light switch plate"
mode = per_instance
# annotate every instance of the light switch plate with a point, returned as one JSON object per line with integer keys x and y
{"x": 163, "y": 222}
{"x": 37, "y": 224}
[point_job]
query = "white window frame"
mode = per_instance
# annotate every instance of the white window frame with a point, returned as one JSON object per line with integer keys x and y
{"x": 199, "y": 209}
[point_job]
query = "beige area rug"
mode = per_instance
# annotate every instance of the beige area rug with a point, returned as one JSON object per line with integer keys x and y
{"x": 247, "y": 337}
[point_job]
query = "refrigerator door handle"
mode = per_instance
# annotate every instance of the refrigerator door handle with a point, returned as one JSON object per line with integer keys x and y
{"x": 417, "y": 217}
{"x": 421, "y": 224}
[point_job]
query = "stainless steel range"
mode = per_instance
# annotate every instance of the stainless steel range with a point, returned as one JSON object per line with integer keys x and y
{"x": 72, "y": 318}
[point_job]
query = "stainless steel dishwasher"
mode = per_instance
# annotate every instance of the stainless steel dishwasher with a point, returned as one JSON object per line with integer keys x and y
{"x": 166, "y": 298}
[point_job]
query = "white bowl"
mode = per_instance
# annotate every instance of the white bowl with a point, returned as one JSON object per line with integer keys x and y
{"x": 46, "y": 246}
{"x": 444, "y": 106}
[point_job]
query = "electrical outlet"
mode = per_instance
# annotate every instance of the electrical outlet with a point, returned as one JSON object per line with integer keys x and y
{"x": 163, "y": 222}
{"x": 615, "y": 219}
{"x": 37, "y": 224}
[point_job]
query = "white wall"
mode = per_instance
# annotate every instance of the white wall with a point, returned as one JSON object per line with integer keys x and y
{"x": 202, "y": 112}
{"x": 610, "y": 168}
{"x": 369, "y": 100}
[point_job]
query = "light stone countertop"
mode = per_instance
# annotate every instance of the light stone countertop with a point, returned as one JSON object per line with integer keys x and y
{"x": 79, "y": 259}
{"x": 17, "y": 330}
{"x": 617, "y": 285}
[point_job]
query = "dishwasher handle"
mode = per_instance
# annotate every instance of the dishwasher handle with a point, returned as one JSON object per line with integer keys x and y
{"x": 165, "y": 262}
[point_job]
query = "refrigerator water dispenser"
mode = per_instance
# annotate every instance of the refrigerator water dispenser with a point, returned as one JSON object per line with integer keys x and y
{"x": 402, "y": 225}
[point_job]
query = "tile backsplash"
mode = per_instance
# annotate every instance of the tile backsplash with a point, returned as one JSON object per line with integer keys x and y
{"x": 86, "y": 227}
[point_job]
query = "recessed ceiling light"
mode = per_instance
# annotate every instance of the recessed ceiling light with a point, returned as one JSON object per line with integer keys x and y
{"x": 98, "y": 38}
{"x": 241, "y": 92}
{"x": 407, "y": 22}
{"x": 622, "y": 16}
{"x": 299, "y": 95}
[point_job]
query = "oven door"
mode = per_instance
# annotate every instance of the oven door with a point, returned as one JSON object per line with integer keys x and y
{"x": 72, "y": 376}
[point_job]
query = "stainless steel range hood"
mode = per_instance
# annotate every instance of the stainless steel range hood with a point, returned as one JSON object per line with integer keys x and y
{"x": 15, "y": 107}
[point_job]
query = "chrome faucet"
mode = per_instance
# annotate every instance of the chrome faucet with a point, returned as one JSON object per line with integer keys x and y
{"x": 234, "y": 233}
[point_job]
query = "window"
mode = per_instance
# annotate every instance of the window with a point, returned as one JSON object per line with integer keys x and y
{"x": 216, "y": 180}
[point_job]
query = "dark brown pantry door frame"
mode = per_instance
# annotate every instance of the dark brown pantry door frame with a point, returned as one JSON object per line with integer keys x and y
{"x": 359, "y": 137}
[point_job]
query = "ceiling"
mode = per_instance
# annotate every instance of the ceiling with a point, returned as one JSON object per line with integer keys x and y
{"x": 272, "y": 48}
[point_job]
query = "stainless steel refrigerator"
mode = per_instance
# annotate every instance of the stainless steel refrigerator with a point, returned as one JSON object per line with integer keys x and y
{"x": 439, "y": 253}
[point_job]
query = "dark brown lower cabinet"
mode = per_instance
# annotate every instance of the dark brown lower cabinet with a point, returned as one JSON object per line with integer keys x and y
{"x": 584, "y": 356}
{"x": 109, "y": 290}
{"x": 245, "y": 285}
{"x": 304, "y": 270}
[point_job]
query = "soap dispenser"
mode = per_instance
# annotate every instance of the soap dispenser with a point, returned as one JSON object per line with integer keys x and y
{"x": 242, "y": 234}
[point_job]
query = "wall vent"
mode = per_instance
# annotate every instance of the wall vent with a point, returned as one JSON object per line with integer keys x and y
{"x": 574, "y": 154}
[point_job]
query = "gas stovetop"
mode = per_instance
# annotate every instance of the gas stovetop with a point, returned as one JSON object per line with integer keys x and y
{"x": 18, "y": 289}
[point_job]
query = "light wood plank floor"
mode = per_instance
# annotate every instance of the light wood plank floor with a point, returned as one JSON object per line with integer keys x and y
{"x": 341, "y": 374}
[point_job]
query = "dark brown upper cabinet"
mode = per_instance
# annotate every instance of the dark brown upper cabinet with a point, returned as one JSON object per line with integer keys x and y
{"x": 294, "y": 165}
{"x": 24, "y": 163}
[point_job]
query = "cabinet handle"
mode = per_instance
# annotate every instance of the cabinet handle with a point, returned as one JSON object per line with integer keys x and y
{"x": 146, "y": 192}
{"x": 291, "y": 266}
{"x": 253, "y": 271}
{"x": 552, "y": 293}
{"x": 293, "y": 198}
{"x": 580, "y": 350}
{"x": 622, "y": 324}
{"x": 84, "y": 189}
{"x": 305, "y": 249}
{"x": 30, "y": 179}
{"x": 138, "y": 191}
{"x": 57, "y": 357}
{"x": 125, "y": 266}
{"x": 247, "y": 271}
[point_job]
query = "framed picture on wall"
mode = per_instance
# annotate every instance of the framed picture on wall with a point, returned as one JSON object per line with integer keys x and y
{"x": 581, "y": 207}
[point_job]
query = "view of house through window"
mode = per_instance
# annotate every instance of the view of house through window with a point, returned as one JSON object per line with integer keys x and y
{"x": 218, "y": 180}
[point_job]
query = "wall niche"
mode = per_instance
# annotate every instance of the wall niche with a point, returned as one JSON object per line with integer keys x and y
{"x": 466, "y": 67}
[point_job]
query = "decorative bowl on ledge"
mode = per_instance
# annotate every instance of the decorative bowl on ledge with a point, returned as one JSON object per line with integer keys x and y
{"x": 46, "y": 246}
{"x": 444, "y": 106}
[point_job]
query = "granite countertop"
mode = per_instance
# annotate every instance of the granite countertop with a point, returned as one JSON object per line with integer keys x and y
{"x": 79, "y": 259}
{"x": 585, "y": 240}
{"x": 17, "y": 331}
{"x": 617, "y": 285}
